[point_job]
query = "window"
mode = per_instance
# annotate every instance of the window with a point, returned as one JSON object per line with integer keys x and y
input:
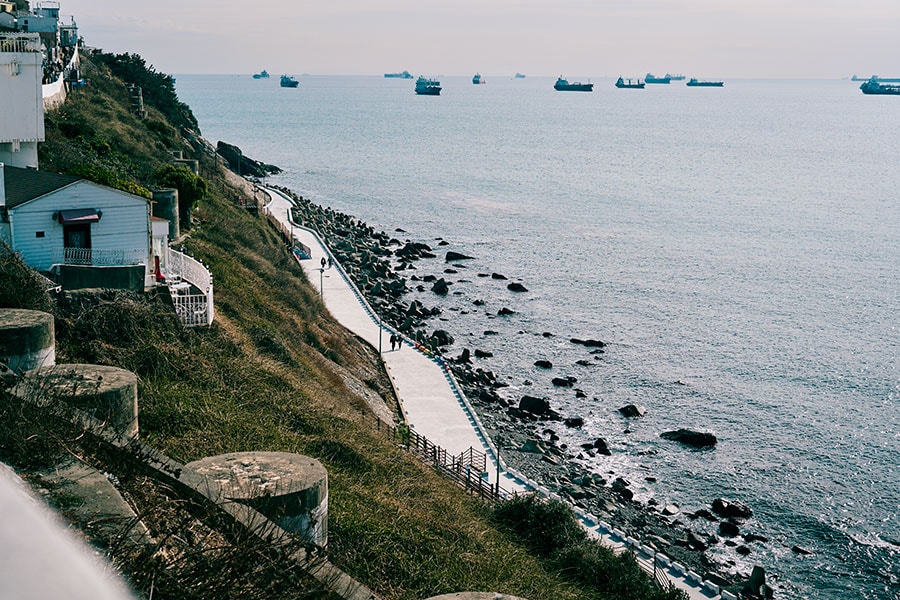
{"x": 38, "y": 234}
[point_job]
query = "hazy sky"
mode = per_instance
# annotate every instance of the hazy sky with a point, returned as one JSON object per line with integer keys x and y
{"x": 579, "y": 38}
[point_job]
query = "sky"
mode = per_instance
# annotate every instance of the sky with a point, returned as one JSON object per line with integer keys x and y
{"x": 579, "y": 38}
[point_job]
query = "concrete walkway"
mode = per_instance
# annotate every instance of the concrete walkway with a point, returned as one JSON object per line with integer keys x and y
{"x": 434, "y": 406}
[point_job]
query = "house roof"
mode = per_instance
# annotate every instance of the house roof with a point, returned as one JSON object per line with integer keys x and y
{"x": 23, "y": 185}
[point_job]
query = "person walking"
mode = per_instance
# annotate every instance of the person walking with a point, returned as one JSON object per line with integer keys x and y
{"x": 393, "y": 342}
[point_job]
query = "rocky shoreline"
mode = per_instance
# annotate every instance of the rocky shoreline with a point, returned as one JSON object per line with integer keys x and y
{"x": 526, "y": 433}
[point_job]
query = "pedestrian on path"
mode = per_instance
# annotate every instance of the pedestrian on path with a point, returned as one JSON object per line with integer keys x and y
{"x": 393, "y": 342}
{"x": 399, "y": 341}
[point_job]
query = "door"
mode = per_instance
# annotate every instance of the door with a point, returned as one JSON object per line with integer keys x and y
{"x": 77, "y": 242}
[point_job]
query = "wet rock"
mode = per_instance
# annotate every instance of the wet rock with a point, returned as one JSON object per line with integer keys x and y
{"x": 728, "y": 529}
{"x": 563, "y": 381}
{"x": 670, "y": 510}
{"x": 443, "y": 338}
{"x": 801, "y": 550}
{"x": 490, "y": 332}
{"x": 498, "y": 276}
{"x": 752, "y": 537}
{"x": 543, "y": 364}
{"x": 533, "y": 446}
{"x": 574, "y": 422}
{"x": 688, "y": 437}
{"x": 503, "y": 312}
{"x": 516, "y": 287}
{"x": 584, "y": 363}
{"x": 633, "y": 410}
{"x": 580, "y": 393}
{"x": 588, "y": 343}
{"x": 440, "y": 287}
{"x": 464, "y": 357}
{"x": 478, "y": 302}
{"x": 534, "y": 405}
{"x": 602, "y": 447}
{"x": 483, "y": 354}
{"x": 743, "y": 550}
{"x": 731, "y": 509}
{"x": 620, "y": 486}
{"x": 454, "y": 256}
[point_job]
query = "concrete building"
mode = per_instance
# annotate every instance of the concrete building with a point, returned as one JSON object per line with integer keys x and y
{"x": 22, "y": 110}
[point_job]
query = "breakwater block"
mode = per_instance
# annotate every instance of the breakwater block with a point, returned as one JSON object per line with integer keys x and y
{"x": 106, "y": 393}
{"x": 289, "y": 489}
{"x": 27, "y": 339}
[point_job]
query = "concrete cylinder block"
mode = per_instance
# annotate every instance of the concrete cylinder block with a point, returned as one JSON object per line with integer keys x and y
{"x": 191, "y": 163}
{"x": 106, "y": 393}
{"x": 165, "y": 206}
{"x": 27, "y": 339}
{"x": 289, "y": 489}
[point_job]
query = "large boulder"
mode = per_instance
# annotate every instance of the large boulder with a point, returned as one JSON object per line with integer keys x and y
{"x": 516, "y": 287}
{"x": 633, "y": 410}
{"x": 534, "y": 405}
{"x": 241, "y": 164}
{"x": 731, "y": 509}
{"x": 440, "y": 287}
{"x": 454, "y": 256}
{"x": 688, "y": 437}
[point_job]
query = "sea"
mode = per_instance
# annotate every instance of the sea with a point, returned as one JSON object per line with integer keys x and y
{"x": 737, "y": 248}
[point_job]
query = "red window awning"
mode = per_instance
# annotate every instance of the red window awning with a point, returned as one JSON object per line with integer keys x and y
{"x": 79, "y": 215}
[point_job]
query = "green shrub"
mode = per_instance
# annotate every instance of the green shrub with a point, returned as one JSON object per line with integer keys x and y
{"x": 109, "y": 179}
{"x": 20, "y": 285}
{"x": 544, "y": 527}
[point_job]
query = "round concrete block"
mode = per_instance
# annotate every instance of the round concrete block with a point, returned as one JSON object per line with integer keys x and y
{"x": 27, "y": 339}
{"x": 106, "y": 393}
{"x": 289, "y": 489}
{"x": 475, "y": 596}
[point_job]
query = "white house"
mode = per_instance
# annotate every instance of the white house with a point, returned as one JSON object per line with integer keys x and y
{"x": 77, "y": 230}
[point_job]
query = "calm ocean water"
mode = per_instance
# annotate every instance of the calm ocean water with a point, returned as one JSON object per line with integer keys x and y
{"x": 738, "y": 248}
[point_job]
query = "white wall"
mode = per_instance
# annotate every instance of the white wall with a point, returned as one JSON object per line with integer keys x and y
{"x": 22, "y": 114}
{"x": 124, "y": 224}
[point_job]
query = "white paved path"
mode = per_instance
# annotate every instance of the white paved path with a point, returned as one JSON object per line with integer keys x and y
{"x": 433, "y": 405}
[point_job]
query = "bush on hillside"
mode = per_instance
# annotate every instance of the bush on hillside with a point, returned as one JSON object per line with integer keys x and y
{"x": 158, "y": 88}
{"x": 109, "y": 179}
{"x": 544, "y": 527}
{"x": 191, "y": 189}
{"x": 20, "y": 285}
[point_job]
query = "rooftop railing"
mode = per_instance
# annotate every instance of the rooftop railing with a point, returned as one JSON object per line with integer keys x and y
{"x": 20, "y": 42}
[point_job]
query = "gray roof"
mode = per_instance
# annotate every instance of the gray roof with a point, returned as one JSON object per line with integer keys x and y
{"x": 23, "y": 185}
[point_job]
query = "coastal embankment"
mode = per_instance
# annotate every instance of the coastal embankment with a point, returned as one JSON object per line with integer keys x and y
{"x": 524, "y": 433}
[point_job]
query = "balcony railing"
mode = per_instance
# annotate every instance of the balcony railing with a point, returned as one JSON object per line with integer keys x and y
{"x": 20, "y": 42}
{"x": 99, "y": 258}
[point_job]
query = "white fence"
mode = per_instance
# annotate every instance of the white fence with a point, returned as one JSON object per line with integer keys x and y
{"x": 191, "y": 288}
{"x": 99, "y": 258}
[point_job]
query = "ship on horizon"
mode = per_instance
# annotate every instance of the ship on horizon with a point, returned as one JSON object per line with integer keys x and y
{"x": 563, "y": 85}
{"x": 400, "y": 75}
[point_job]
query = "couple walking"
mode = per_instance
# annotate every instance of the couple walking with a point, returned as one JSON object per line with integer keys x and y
{"x": 396, "y": 341}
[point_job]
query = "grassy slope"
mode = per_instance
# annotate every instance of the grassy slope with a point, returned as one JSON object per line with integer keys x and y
{"x": 270, "y": 375}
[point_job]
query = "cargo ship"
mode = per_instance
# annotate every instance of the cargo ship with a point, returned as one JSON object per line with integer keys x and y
{"x": 563, "y": 85}
{"x": 400, "y": 75}
{"x": 428, "y": 87}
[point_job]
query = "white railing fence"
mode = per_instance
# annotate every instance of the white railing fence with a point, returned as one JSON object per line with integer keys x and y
{"x": 185, "y": 276}
{"x": 99, "y": 258}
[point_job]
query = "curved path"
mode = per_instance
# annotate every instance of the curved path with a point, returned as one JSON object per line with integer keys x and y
{"x": 435, "y": 407}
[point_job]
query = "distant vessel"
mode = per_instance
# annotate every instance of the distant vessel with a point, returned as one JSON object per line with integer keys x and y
{"x": 261, "y": 75}
{"x": 562, "y": 85}
{"x": 876, "y": 78}
{"x": 289, "y": 82}
{"x": 650, "y": 78}
{"x": 428, "y": 87}
{"x": 520, "y": 76}
{"x": 872, "y": 86}
{"x": 697, "y": 83}
{"x": 678, "y": 77}
{"x": 400, "y": 75}
{"x": 632, "y": 84}
{"x": 477, "y": 79}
